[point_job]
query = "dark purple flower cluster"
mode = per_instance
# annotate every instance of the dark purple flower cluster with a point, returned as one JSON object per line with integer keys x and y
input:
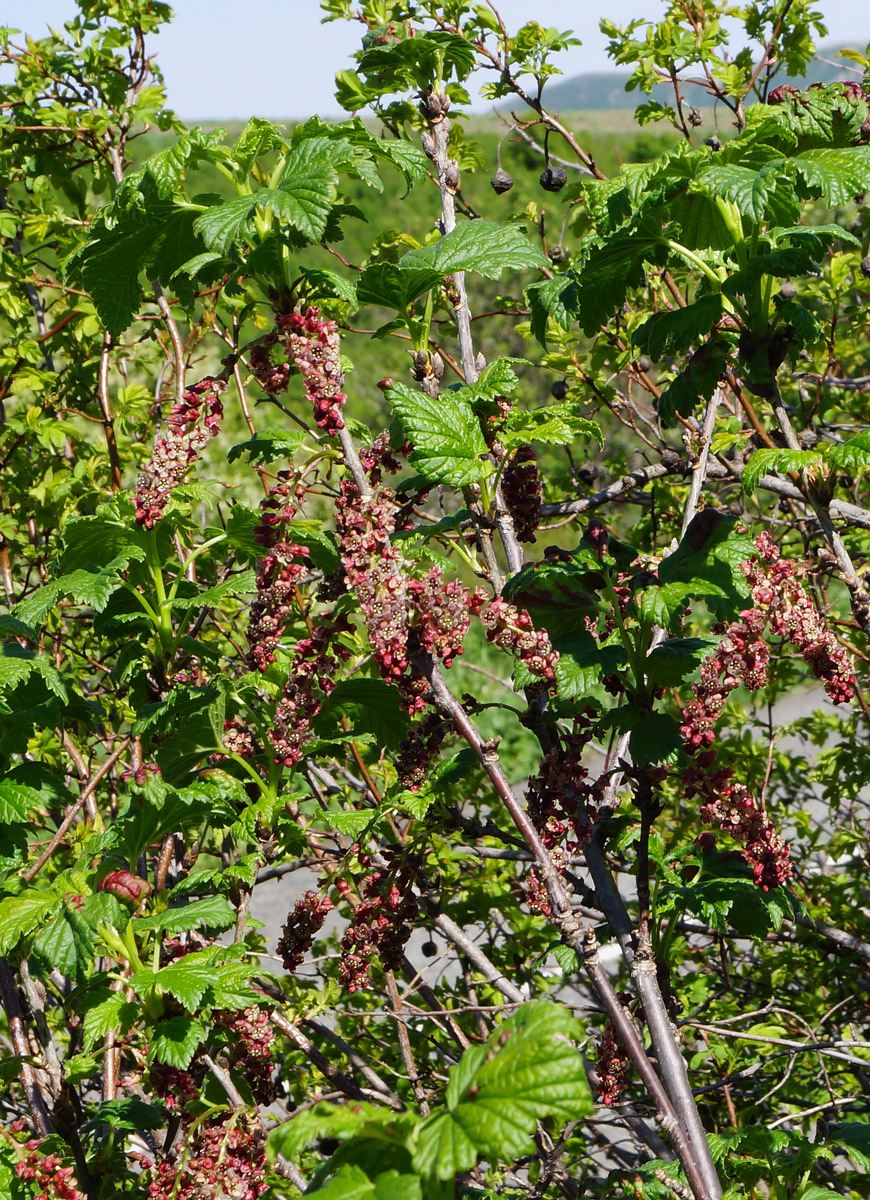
{"x": 301, "y": 928}
{"x": 314, "y": 347}
{"x": 512, "y": 630}
{"x": 419, "y": 749}
{"x": 558, "y": 796}
{"x": 273, "y": 377}
{"x": 523, "y": 492}
{"x": 192, "y": 424}
{"x": 380, "y": 925}
{"x": 374, "y": 569}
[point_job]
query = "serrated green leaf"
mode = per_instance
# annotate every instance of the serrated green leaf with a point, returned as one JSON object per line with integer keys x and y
{"x": 211, "y": 913}
{"x": 395, "y": 286}
{"x": 15, "y": 802}
{"x": 369, "y": 705}
{"x": 175, "y": 1041}
{"x": 674, "y": 659}
{"x": 116, "y": 1012}
{"x": 669, "y": 333}
{"x": 21, "y": 914}
{"x": 654, "y": 738}
{"x": 854, "y": 1137}
{"x": 553, "y": 424}
{"x": 764, "y": 462}
{"x": 481, "y": 246}
{"x": 66, "y": 942}
{"x": 131, "y": 1113}
{"x": 187, "y": 979}
{"x": 835, "y": 174}
{"x": 268, "y": 444}
{"x": 528, "y": 1070}
{"x": 445, "y": 433}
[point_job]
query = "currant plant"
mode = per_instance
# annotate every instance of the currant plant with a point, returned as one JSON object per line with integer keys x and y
{"x": 501, "y": 594}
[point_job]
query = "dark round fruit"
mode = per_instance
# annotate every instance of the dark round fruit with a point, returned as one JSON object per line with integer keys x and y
{"x": 713, "y": 143}
{"x": 553, "y": 179}
{"x": 429, "y": 949}
{"x": 644, "y": 363}
{"x": 559, "y": 390}
{"x": 501, "y": 182}
{"x": 788, "y": 291}
{"x": 557, "y": 254}
{"x": 865, "y": 266}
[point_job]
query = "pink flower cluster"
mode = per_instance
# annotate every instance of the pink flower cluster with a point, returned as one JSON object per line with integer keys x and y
{"x": 374, "y": 570}
{"x": 192, "y": 424}
{"x": 314, "y": 664}
{"x": 611, "y": 1065}
{"x": 433, "y": 614}
{"x": 224, "y": 1157}
{"x": 523, "y": 492}
{"x": 301, "y": 928}
{"x": 558, "y": 796}
{"x": 278, "y": 575}
{"x": 273, "y": 377}
{"x": 782, "y": 608}
{"x": 442, "y": 612}
{"x": 313, "y": 345}
{"x": 55, "y": 1181}
{"x": 512, "y": 630}
{"x": 379, "y": 925}
{"x": 252, "y": 1054}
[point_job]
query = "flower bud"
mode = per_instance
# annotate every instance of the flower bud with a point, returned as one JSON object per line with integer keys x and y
{"x": 125, "y": 885}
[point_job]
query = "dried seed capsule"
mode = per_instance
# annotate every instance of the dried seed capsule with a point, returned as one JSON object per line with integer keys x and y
{"x": 557, "y": 255}
{"x": 713, "y": 143}
{"x": 553, "y": 179}
{"x": 501, "y": 182}
{"x": 865, "y": 266}
{"x": 788, "y": 291}
{"x": 695, "y": 118}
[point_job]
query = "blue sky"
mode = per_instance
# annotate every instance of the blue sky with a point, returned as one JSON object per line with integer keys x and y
{"x": 223, "y": 59}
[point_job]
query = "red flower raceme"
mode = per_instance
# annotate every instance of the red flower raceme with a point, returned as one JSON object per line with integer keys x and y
{"x": 314, "y": 347}
{"x": 380, "y": 925}
{"x": 612, "y": 1067}
{"x": 512, "y": 629}
{"x": 224, "y": 1157}
{"x": 782, "y": 608}
{"x": 47, "y": 1172}
{"x": 192, "y": 424}
{"x": 278, "y": 575}
{"x": 314, "y": 663}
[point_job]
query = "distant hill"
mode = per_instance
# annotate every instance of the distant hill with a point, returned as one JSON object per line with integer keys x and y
{"x": 604, "y": 90}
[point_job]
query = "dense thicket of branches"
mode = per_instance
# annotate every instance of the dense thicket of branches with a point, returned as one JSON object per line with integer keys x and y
{"x": 541, "y": 692}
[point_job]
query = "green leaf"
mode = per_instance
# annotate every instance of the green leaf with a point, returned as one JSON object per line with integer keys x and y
{"x": 116, "y": 1012}
{"x": 154, "y": 240}
{"x": 370, "y": 706}
{"x": 18, "y": 664}
{"x": 350, "y": 1182}
{"x": 15, "y": 802}
{"x": 852, "y": 455}
{"x": 582, "y": 664}
{"x": 445, "y": 433}
{"x": 854, "y": 1137}
{"x": 481, "y": 246}
{"x": 66, "y": 942}
{"x": 187, "y": 979}
{"x": 258, "y": 137}
{"x": 395, "y": 286}
{"x": 754, "y": 192}
{"x": 497, "y": 1093}
{"x": 553, "y": 424}
{"x": 675, "y": 659}
{"x": 21, "y": 914}
{"x": 654, "y": 738}
{"x": 175, "y": 1041}
{"x": 268, "y": 444}
{"x": 670, "y": 333}
{"x": 211, "y": 913}
{"x": 765, "y": 462}
{"x": 835, "y": 174}
{"x": 131, "y": 1113}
